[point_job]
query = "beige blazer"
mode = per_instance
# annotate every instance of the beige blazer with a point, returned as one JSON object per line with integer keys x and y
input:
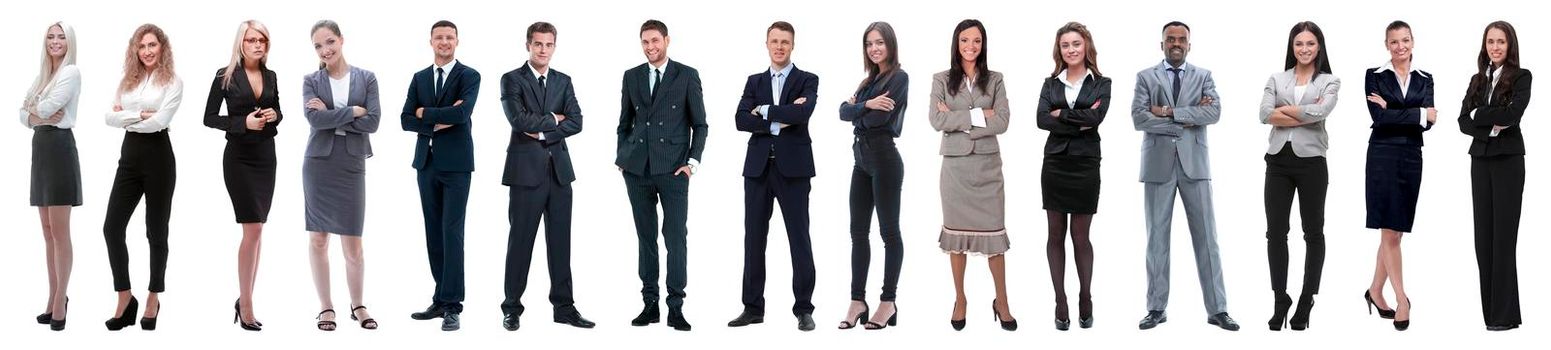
{"x": 959, "y": 137}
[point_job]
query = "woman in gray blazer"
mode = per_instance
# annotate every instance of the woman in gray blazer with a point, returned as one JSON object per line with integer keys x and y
{"x": 1296, "y": 103}
{"x": 343, "y": 110}
{"x": 969, "y": 107}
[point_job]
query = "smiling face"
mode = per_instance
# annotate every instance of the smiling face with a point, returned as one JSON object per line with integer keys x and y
{"x": 56, "y": 43}
{"x": 1496, "y": 46}
{"x": 540, "y": 49}
{"x": 1074, "y": 51}
{"x": 1399, "y": 43}
{"x": 327, "y": 44}
{"x": 970, "y": 42}
{"x": 444, "y": 40}
{"x": 779, "y": 43}
{"x": 254, "y": 46}
{"x": 149, "y": 50}
{"x": 1176, "y": 44}
{"x": 1305, "y": 48}
{"x": 877, "y": 49}
{"x": 654, "y": 46}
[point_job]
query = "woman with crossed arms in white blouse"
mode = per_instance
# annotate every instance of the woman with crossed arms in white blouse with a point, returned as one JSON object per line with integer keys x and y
{"x": 49, "y": 111}
{"x": 148, "y": 96}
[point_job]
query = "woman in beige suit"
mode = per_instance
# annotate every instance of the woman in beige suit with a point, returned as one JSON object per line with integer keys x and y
{"x": 970, "y": 109}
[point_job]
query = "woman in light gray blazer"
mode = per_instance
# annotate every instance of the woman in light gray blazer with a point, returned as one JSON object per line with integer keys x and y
{"x": 1296, "y": 103}
{"x": 343, "y": 110}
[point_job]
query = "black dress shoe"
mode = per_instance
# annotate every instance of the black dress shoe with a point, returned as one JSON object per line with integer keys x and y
{"x": 1494, "y": 328}
{"x": 510, "y": 322}
{"x": 575, "y": 320}
{"x": 747, "y": 318}
{"x": 433, "y": 311}
{"x": 1222, "y": 320}
{"x": 1153, "y": 318}
{"x": 1300, "y": 317}
{"x": 649, "y": 315}
{"x": 450, "y": 321}
{"x": 43, "y": 318}
{"x": 805, "y": 322}
{"x": 125, "y": 319}
{"x": 676, "y": 320}
{"x": 1284, "y": 302}
{"x": 1388, "y": 314}
{"x": 56, "y": 325}
{"x": 1085, "y": 322}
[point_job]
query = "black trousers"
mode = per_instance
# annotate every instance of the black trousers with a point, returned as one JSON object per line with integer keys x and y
{"x": 876, "y": 181}
{"x": 1286, "y": 175}
{"x": 549, "y": 201}
{"x": 146, "y": 167}
{"x": 645, "y": 191}
{"x": 1497, "y": 188}
{"x": 759, "y": 198}
{"x": 444, "y": 199}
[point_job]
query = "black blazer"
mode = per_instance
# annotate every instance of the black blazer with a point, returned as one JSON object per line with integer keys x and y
{"x": 662, "y": 132}
{"x": 1400, "y": 121}
{"x": 454, "y": 145}
{"x": 866, "y": 121}
{"x": 1066, "y": 134}
{"x": 793, "y": 149}
{"x": 239, "y": 102}
{"x": 1505, "y": 109}
{"x": 530, "y": 108}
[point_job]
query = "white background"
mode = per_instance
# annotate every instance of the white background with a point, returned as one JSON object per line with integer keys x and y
{"x": 1241, "y": 43}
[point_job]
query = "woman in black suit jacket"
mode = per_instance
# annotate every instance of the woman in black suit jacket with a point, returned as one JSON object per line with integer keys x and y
{"x": 1490, "y": 114}
{"x": 248, "y": 164}
{"x": 1072, "y": 103}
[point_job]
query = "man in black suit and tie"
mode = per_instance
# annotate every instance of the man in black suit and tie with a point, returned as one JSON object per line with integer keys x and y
{"x": 542, "y": 108}
{"x": 441, "y": 98}
{"x": 774, "y": 111}
{"x": 662, "y": 133}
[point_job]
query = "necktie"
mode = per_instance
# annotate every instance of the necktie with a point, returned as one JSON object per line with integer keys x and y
{"x": 656, "y": 81}
{"x": 439, "y": 79}
{"x": 1176, "y": 85}
{"x": 543, "y": 90}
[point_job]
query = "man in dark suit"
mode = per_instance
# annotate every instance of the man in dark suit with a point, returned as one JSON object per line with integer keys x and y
{"x": 662, "y": 133}
{"x": 774, "y": 111}
{"x": 542, "y": 108}
{"x": 441, "y": 98}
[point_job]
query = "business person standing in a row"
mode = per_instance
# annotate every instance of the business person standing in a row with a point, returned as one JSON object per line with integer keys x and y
{"x": 1296, "y": 104}
{"x": 247, "y": 87}
{"x": 876, "y": 112}
{"x": 342, "y": 111}
{"x": 49, "y": 110}
{"x": 662, "y": 133}
{"x": 1490, "y": 114}
{"x": 437, "y": 109}
{"x": 1400, "y": 102}
{"x": 148, "y": 97}
{"x": 776, "y": 106}
{"x": 540, "y": 104}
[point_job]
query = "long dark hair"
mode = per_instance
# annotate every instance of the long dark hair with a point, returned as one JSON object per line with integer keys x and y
{"x": 956, "y": 64}
{"x": 1484, "y": 64}
{"x": 889, "y": 42}
{"x": 1090, "y": 54}
{"x": 1321, "y": 59}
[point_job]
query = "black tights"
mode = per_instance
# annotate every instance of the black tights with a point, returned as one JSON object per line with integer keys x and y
{"x": 1055, "y": 252}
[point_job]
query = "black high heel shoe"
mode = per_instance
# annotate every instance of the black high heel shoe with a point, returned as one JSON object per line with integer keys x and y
{"x": 45, "y": 318}
{"x": 126, "y": 318}
{"x": 852, "y": 321}
{"x": 1085, "y": 312}
{"x": 237, "y": 318}
{"x": 1300, "y": 318}
{"x": 59, "y": 324}
{"x": 1063, "y": 321}
{"x": 1386, "y": 314}
{"x": 893, "y": 319}
{"x": 149, "y": 323}
{"x": 1006, "y": 325}
{"x": 958, "y": 325}
{"x": 1403, "y": 325}
{"x": 1279, "y": 312}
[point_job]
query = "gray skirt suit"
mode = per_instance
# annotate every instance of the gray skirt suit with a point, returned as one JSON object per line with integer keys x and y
{"x": 334, "y": 169}
{"x": 973, "y": 198}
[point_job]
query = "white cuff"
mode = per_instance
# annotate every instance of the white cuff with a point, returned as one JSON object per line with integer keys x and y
{"x": 764, "y": 111}
{"x": 977, "y": 117}
{"x": 541, "y": 136}
{"x": 1422, "y": 114}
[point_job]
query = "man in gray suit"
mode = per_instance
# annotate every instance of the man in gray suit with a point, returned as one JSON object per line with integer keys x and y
{"x": 1173, "y": 104}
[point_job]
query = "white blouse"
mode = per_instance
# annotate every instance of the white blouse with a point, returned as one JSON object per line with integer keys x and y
{"x": 62, "y": 94}
{"x": 341, "y": 89}
{"x": 148, "y": 96}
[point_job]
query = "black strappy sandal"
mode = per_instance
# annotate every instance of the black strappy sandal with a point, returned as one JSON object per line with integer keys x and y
{"x": 368, "y": 323}
{"x": 852, "y": 321}
{"x": 327, "y": 326}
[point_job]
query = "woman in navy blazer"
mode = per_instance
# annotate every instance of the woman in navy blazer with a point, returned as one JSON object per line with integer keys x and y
{"x": 343, "y": 110}
{"x": 876, "y": 113}
{"x": 1400, "y": 101}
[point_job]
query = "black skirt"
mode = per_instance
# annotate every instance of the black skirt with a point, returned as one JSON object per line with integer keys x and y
{"x": 248, "y": 167}
{"x": 1394, "y": 180}
{"x": 1070, "y": 184}
{"x": 56, "y": 167}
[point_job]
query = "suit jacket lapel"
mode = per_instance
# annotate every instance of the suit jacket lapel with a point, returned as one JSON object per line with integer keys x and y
{"x": 1084, "y": 92}
{"x": 643, "y": 78}
{"x": 667, "y": 80}
{"x": 357, "y": 89}
{"x": 1166, "y": 83}
{"x": 326, "y": 91}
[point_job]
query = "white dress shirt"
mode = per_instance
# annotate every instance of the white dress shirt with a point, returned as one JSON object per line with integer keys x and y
{"x": 62, "y": 94}
{"x": 777, "y": 82}
{"x": 147, "y": 96}
{"x": 341, "y": 89}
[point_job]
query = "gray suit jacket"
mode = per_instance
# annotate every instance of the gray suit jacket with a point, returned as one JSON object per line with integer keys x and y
{"x": 1181, "y": 139}
{"x": 959, "y": 138}
{"x": 1309, "y": 138}
{"x": 363, "y": 93}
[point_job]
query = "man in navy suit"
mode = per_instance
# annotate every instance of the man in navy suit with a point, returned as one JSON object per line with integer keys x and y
{"x": 774, "y": 111}
{"x": 662, "y": 133}
{"x": 541, "y": 106}
{"x": 441, "y": 98}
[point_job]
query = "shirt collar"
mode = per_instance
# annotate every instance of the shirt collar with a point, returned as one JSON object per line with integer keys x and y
{"x": 663, "y": 69}
{"x": 535, "y": 71}
{"x": 1390, "y": 66}
{"x": 785, "y": 71}
{"x": 447, "y": 68}
{"x": 1164, "y": 65}
{"x": 1062, "y": 78}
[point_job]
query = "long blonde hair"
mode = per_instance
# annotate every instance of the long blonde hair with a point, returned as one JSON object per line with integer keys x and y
{"x": 134, "y": 72}
{"x": 45, "y": 78}
{"x": 236, "y": 62}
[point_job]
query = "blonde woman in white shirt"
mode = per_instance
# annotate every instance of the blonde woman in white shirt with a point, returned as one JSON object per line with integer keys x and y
{"x": 148, "y": 96}
{"x": 49, "y": 110}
